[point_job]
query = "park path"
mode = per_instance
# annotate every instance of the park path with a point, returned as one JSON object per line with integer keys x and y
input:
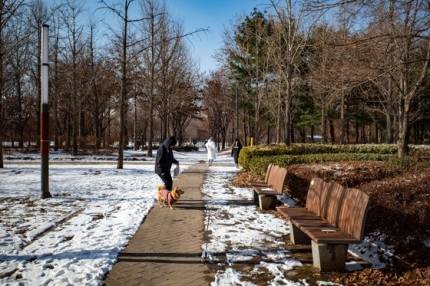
{"x": 166, "y": 249}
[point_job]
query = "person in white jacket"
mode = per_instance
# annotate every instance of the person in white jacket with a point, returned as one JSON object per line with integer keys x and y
{"x": 211, "y": 148}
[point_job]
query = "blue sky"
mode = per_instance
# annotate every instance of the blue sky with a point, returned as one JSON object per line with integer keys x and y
{"x": 215, "y": 15}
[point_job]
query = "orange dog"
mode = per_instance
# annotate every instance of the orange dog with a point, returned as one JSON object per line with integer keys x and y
{"x": 163, "y": 196}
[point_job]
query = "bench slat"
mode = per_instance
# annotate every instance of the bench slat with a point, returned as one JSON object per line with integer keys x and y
{"x": 264, "y": 183}
{"x": 353, "y": 213}
{"x": 314, "y": 195}
{"x": 278, "y": 184}
{"x": 292, "y": 213}
{"x": 272, "y": 175}
{"x": 334, "y": 202}
{"x": 317, "y": 222}
{"x": 269, "y": 168}
{"x": 329, "y": 235}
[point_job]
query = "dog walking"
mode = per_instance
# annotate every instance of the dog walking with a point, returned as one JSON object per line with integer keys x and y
{"x": 164, "y": 161}
{"x": 211, "y": 148}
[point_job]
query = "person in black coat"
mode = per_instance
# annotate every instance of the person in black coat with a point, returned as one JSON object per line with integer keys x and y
{"x": 164, "y": 161}
{"x": 235, "y": 150}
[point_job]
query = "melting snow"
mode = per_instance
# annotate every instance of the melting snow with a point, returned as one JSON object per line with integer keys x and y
{"x": 239, "y": 234}
{"x": 73, "y": 238}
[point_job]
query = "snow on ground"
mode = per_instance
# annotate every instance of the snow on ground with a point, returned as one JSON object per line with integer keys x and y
{"x": 61, "y": 156}
{"x": 94, "y": 212}
{"x": 74, "y": 237}
{"x": 373, "y": 250}
{"x": 129, "y": 157}
{"x": 248, "y": 244}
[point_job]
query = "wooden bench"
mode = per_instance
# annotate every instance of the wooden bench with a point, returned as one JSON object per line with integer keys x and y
{"x": 265, "y": 196}
{"x": 264, "y": 183}
{"x": 333, "y": 217}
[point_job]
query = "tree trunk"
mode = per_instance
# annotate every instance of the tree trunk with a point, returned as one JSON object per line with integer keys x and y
{"x": 332, "y": 136}
{"x": 123, "y": 108}
{"x": 96, "y": 115}
{"x": 376, "y": 132}
{"x": 357, "y": 132}
{"x": 245, "y": 134}
{"x": 68, "y": 130}
{"x": 151, "y": 126}
{"x": 1, "y": 149}
{"x": 151, "y": 103}
{"x": 292, "y": 136}
{"x": 347, "y": 131}
{"x": 237, "y": 113}
{"x": 402, "y": 145}
{"x": 20, "y": 118}
{"x": 312, "y": 134}
{"x": 363, "y": 134}
{"x": 135, "y": 144}
{"x": 256, "y": 121}
{"x": 288, "y": 132}
{"x": 323, "y": 124}
{"x": 389, "y": 136}
{"x": 302, "y": 132}
{"x": 278, "y": 116}
{"x": 74, "y": 111}
{"x": 342, "y": 119}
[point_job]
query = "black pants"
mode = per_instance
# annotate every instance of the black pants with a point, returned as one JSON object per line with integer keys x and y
{"x": 167, "y": 180}
{"x": 236, "y": 158}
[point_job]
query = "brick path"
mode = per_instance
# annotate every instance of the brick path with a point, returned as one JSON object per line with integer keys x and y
{"x": 166, "y": 249}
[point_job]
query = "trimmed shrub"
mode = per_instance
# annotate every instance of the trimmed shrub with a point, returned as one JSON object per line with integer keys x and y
{"x": 248, "y": 153}
{"x": 258, "y": 165}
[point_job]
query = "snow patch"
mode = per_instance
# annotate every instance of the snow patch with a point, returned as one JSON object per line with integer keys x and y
{"x": 239, "y": 233}
{"x": 94, "y": 212}
{"x": 373, "y": 250}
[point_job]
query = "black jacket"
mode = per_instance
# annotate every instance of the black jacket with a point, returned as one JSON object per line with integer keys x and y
{"x": 235, "y": 150}
{"x": 164, "y": 158}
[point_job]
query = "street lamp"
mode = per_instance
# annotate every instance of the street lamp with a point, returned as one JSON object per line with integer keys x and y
{"x": 44, "y": 113}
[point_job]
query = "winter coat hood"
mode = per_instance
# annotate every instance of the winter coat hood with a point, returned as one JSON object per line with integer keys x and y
{"x": 170, "y": 142}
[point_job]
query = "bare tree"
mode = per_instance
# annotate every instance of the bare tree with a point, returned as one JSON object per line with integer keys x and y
{"x": 123, "y": 15}
{"x": 74, "y": 47}
{"x": 291, "y": 17}
{"x": 151, "y": 28}
{"x": 7, "y": 11}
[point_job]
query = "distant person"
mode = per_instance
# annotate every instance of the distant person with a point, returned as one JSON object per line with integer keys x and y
{"x": 211, "y": 148}
{"x": 164, "y": 161}
{"x": 235, "y": 150}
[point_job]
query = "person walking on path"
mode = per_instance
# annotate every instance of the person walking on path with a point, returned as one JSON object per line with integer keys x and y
{"x": 211, "y": 148}
{"x": 164, "y": 161}
{"x": 235, "y": 150}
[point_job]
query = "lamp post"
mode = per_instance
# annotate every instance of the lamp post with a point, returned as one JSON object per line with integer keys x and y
{"x": 44, "y": 113}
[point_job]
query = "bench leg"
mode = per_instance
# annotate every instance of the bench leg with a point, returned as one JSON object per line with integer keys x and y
{"x": 255, "y": 198}
{"x": 329, "y": 257}
{"x": 297, "y": 236}
{"x": 267, "y": 202}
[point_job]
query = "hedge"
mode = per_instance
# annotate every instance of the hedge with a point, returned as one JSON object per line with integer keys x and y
{"x": 258, "y": 165}
{"x": 248, "y": 153}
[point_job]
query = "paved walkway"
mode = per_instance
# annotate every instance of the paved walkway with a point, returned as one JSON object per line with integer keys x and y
{"x": 166, "y": 249}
